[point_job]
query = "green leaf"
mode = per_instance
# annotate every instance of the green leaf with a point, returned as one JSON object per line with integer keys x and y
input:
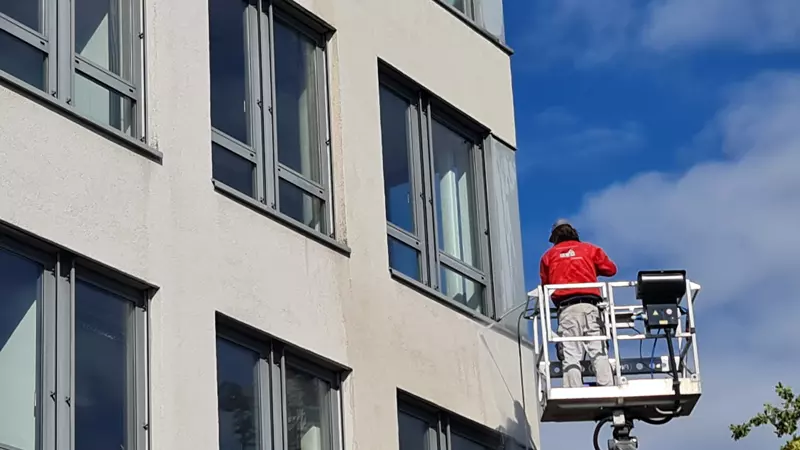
{"x": 783, "y": 419}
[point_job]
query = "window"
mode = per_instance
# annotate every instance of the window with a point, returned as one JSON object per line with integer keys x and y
{"x": 425, "y": 427}
{"x": 487, "y": 15}
{"x": 435, "y": 196}
{"x": 269, "y": 398}
{"x": 91, "y": 64}
{"x": 269, "y": 109}
{"x": 72, "y": 354}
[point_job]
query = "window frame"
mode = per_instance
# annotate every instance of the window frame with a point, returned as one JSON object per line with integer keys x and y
{"x": 61, "y": 271}
{"x": 445, "y": 424}
{"x": 262, "y": 115}
{"x": 274, "y": 357}
{"x": 62, "y": 65}
{"x": 471, "y": 18}
{"x": 425, "y": 108}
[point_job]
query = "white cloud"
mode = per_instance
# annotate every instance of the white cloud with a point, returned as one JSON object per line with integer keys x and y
{"x": 734, "y": 225}
{"x": 587, "y": 31}
{"x": 591, "y": 32}
{"x": 752, "y": 25}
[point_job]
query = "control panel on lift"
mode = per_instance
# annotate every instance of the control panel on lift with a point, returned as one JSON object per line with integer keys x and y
{"x": 649, "y": 331}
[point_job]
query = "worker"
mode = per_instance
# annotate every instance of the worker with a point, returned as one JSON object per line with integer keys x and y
{"x": 571, "y": 261}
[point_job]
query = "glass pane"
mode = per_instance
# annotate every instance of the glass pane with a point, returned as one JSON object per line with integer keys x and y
{"x": 454, "y": 185}
{"x": 461, "y": 5}
{"x": 462, "y": 289}
{"x": 413, "y": 433}
{"x": 308, "y": 412}
{"x": 103, "y": 34}
{"x": 462, "y": 443}
{"x": 397, "y": 176}
{"x": 404, "y": 259}
{"x": 22, "y": 61}
{"x": 229, "y": 80}
{"x": 104, "y": 105}
{"x": 26, "y": 12}
{"x": 296, "y": 75}
{"x": 233, "y": 170}
{"x": 489, "y": 14}
{"x": 300, "y": 206}
{"x": 104, "y": 350}
{"x": 20, "y": 292}
{"x": 237, "y": 369}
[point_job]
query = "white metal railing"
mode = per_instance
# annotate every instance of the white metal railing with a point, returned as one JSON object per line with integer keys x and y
{"x": 544, "y": 317}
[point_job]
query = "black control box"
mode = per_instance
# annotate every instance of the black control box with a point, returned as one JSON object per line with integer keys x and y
{"x": 660, "y": 317}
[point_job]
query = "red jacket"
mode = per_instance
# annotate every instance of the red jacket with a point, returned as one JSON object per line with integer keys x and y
{"x": 575, "y": 262}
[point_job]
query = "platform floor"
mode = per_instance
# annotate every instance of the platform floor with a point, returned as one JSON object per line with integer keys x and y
{"x": 637, "y": 397}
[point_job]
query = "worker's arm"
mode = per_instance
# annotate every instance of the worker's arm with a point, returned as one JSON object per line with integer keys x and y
{"x": 543, "y": 272}
{"x": 603, "y": 264}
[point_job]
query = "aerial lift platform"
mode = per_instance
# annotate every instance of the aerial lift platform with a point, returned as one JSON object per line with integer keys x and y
{"x": 652, "y": 388}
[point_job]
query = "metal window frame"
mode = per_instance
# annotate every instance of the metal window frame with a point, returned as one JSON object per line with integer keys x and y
{"x": 274, "y": 358}
{"x": 62, "y": 64}
{"x": 38, "y": 41}
{"x": 61, "y": 270}
{"x": 262, "y": 112}
{"x": 415, "y": 240}
{"x": 423, "y": 110}
{"x": 131, "y": 37}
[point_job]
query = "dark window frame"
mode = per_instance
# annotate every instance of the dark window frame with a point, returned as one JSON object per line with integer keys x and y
{"x": 275, "y": 358}
{"x": 61, "y": 271}
{"x": 55, "y": 41}
{"x": 425, "y": 108}
{"x": 262, "y": 118}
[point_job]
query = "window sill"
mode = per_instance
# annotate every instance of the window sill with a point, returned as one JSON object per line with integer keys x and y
{"x": 72, "y": 114}
{"x": 477, "y": 28}
{"x": 327, "y": 241}
{"x": 484, "y": 320}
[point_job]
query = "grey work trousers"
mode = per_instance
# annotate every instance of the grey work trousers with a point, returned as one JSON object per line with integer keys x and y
{"x": 583, "y": 319}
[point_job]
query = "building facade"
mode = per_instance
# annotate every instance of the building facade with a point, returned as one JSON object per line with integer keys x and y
{"x": 274, "y": 224}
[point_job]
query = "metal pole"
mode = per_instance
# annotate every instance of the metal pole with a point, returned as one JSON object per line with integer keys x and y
{"x": 614, "y": 335}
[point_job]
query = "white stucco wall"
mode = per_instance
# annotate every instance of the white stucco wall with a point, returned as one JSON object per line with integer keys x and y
{"x": 165, "y": 224}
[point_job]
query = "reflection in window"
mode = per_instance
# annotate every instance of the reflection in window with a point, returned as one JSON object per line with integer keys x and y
{"x": 26, "y": 12}
{"x": 99, "y": 29}
{"x": 268, "y": 95}
{"x": 397, "y": 176}
{"x": 304, "y": 208}
{"x": 456, "y": 200}
{"x": 435, "y": 211}
{"x": 413, "y": 432}
{"x": 296, "y": 103}
{"x": 462, "y": 443}
{"x": 236, "y": 393}
{"x": 404, "y": 259}
{"x": 233, "y": 170}
{"x": 461, "y": 289}
{"x": 438, "y": 427}
{"x": 103, "y": 104}
{"x": 307, "y": 410}
{"x": 104, "y": 352}
{"x": 460, "y": 5}
{"x": 20, "y": 294}
{"x": 227, "y": 35}
{"x": 249, "y": 399}
{"x": 21, "y": 60}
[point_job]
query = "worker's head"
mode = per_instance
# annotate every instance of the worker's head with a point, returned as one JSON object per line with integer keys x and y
{"x": 563, "y": 231}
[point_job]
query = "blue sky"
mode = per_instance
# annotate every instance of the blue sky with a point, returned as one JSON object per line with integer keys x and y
{"x": 669, "y": 131}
